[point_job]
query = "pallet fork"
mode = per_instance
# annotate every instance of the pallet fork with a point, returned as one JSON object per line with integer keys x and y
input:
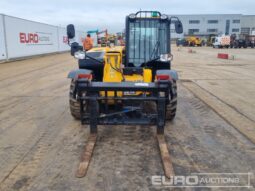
{"x": 94, "y": 118}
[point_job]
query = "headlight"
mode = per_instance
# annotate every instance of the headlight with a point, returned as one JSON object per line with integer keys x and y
{"x": 79, "y": 55}
{"x": 165, "y": 57}
{"x": 164, "y": 17}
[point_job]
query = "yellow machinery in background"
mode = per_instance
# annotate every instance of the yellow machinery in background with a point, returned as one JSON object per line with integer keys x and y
{"x": 193, "y": 41}
{"x": 211, "y": 40}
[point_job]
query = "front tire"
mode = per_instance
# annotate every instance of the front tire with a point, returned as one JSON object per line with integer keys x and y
{"x": 172, "y": 106}
{"x": 74, "y": 104}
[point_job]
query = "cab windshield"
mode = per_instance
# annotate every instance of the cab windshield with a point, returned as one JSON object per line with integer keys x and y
{"x": 147, "y": 40}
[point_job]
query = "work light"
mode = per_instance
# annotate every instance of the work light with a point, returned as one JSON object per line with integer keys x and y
{"x": 132, "y": 16}
{"x": 165, "y": 57}
{"x": 164, "y": 17}
{"x": 79, "y": 55}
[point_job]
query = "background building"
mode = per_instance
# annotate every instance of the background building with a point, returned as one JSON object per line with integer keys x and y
{"x": 218, "y": 24}
{"x": 248, "y": 24}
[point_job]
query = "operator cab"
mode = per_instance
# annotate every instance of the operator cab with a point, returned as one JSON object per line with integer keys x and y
{"x": 148, "y": 40}
{"x": 147, "y": 45}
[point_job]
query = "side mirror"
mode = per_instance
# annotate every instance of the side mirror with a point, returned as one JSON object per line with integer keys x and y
{"x": 70, "y": 31}
{"x": 178, "y": 27}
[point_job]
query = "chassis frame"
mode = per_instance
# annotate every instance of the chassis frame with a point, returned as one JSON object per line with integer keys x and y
{"x": 157, "y": 92}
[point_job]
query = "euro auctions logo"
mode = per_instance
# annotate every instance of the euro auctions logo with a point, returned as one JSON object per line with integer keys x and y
{"x": 28, "y": 38}
{"x": 36, "y": 38}
{"x": 205, "y": 180}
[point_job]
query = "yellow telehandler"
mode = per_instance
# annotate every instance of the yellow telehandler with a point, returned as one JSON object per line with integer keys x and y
{"x": 114, "y": 85}
{"x": 193, "y": 41}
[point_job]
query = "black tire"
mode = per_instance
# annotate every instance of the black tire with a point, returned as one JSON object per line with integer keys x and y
{"x": 172, "y": 106}
{"x": 74, "y": 103}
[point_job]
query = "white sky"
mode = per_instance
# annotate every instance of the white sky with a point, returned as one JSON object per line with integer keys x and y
{"x": 110, "y": 14}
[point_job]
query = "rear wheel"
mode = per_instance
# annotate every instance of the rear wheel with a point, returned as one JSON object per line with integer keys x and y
{"x": 172, "y": 106}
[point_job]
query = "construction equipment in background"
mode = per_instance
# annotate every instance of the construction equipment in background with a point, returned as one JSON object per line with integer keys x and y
{"x": 102, "y": 41}
{"x": 181, "y": 42}
{"x": 221, "y": 41}
{"x": 237, "y": 42}
{"x": 93, "y": 34}
{"x": 210, "y": 39}
{"x": 112, "y": 39}
{"x": 193, "y": 41}
{"x": 120, "y": 38}
{"x": 132, "y": 85}
{"x": 107, "y": 39}
{"x": 250, "y": 40}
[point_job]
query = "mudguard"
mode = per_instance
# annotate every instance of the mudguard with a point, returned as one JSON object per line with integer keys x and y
{"x": 74, "y": 73}
{"x": 172, "y": 73}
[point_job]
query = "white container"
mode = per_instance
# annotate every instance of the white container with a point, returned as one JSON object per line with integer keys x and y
{"x": 28, "y": 38}
{"x": 62, "y": 40}
{"x": 2, "y": 40}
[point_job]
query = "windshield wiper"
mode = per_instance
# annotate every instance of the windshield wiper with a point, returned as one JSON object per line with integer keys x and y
{"x": 155, "y": 50}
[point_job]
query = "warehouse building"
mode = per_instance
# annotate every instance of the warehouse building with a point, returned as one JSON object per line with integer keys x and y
{"x": 217, "y": 24}
{"x": 248, "y": 25}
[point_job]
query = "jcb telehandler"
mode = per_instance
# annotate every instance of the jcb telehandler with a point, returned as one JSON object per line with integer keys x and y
{"x": 115, "y": 85}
